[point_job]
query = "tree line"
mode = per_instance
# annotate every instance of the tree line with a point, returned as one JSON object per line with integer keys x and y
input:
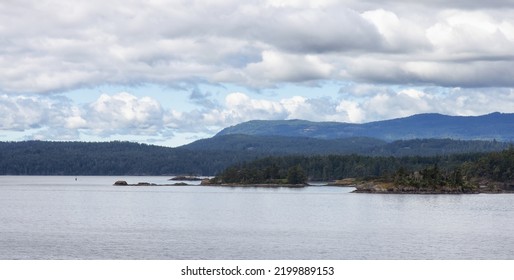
{"x": 128, "y": 158}
{"x": 109, "y": 158}
{"x": 450, "y": 170}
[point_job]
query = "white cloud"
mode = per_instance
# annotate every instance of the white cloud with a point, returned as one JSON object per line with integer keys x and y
{"x": 470, "y": 33}
{"x": 19, "y": 113}
{"x": 125, "y": 116}
{"x": 352, "y": 111}
{"x": 278, "y": 67}
{"x": 399, "y": 34}
{"x": 124, "y": 113}
{"x": 388, "y": 103}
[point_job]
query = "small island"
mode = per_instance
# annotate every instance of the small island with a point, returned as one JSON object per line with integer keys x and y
{"x": 460, "y": 174}
{"x": 267, "y": 178}
{"x": 140, "y": 184}
{"x": 185, "y": 178}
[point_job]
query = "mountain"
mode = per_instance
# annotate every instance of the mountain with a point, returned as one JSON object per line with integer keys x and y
{"x": 495, "y": 126}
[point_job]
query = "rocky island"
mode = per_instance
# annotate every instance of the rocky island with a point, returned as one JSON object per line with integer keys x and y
{"x": 185, "y": 178}
{"x": 390, "y": 188}
{"x": 268, "y": 178}
{"x": 124, "y": 183}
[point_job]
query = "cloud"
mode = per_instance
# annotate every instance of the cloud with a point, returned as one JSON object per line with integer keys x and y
{"x": 316, "y": 29}
{"x": 125, "y": 116}
{"x": 276, "y": 68}
{"x": 124, "y": 113}
{"x": 55, "y": 46}
{"x": 240, "y": 107}
{"x": 20, "y": 113}
{"x": 395, "y": 58}
{"x": 59, "y": 118}
{"x": 389, "y": 103}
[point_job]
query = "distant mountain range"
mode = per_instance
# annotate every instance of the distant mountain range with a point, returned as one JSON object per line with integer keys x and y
{"x": 419, "y": 135}
{"x": 495, "y": 126}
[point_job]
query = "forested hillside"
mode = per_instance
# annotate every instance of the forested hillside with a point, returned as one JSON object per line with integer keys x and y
{"x": 205, "y": 157}
{"x": 109, "y": 158}
{"x": 282, "y": 145}
{"x": 487, "y": 127}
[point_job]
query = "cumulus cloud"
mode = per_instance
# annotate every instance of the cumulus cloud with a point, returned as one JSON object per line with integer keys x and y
{"x": 124, "y": 113}
{"x": 59, "y": 118}
{"x": 389, "y": 103}
{"x": 20, "y": 113}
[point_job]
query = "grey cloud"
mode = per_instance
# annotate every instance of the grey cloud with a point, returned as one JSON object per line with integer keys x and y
{"x": 203, "y": 99}
{"x": 54, "y": 46}
{"x": 431, "y": 4}
{"x": 317, "y": 30}
{"x": 447, "y": 74}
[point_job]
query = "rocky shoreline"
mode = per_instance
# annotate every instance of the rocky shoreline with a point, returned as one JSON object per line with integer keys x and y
{"x": 142, "y": 184}
{"x": 258, "y": 185}
{"x": 360, "y": 187}
{"x": 207, "y": 183}
{"x": 390, "y": 188}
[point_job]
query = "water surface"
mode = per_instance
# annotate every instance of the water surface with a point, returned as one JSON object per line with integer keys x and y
{"x": 58, "y": 217}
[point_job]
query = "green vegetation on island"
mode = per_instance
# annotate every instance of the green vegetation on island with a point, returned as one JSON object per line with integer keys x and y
{"x": 465, "y": 173}
{"x": 271, "y": 176}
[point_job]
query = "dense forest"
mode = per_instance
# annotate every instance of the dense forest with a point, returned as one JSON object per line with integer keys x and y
{"x": 282, "y": 145}
{"x": 109, "y": 158}
{"x": 461, "y": 170}
{"x": 336, "y": 158}
{"x": 336, "y": 167}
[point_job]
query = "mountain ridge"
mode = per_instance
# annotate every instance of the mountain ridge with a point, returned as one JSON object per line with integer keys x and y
{"x": 493, "y": 126}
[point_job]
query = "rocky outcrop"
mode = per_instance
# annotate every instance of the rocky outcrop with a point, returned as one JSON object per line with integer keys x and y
{"x": 346, "y": 182}
{"x": 185, "y": 178}
{"x": 121, "y": 183}
{"x": 390, "y": 188}
{"x": 124, "y": 183}
{"x": 207, "y": 183}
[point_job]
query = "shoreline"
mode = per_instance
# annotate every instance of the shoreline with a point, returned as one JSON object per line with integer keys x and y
{"x": 388, "y": 188}
{"x": 363, "y": 187}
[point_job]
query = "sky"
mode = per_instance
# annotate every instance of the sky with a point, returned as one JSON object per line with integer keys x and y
{"x": 171, "y": 72}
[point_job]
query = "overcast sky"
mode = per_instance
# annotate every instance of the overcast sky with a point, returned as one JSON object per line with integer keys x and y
{"x": 170, "y": 72}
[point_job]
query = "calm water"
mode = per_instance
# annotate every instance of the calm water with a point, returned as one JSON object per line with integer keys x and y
{"x": 60, "y": 218}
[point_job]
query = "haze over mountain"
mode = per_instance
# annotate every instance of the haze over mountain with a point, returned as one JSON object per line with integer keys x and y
{"x": 494, "y": 126}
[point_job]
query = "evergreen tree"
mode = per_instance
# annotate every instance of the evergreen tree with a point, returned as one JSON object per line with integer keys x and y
{"x": 296, "y": 175}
